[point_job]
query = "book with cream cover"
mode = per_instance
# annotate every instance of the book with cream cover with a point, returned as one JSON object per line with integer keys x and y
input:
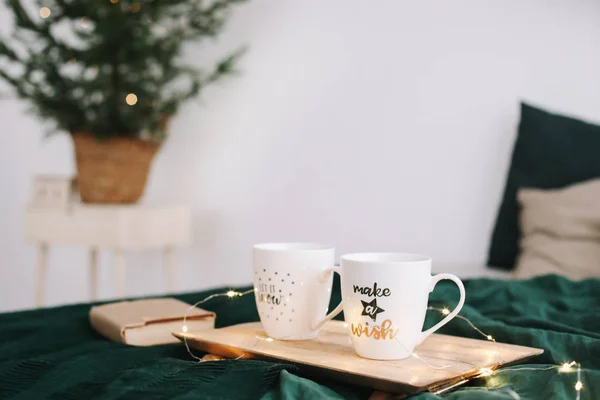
{"x": 148, "y": 322}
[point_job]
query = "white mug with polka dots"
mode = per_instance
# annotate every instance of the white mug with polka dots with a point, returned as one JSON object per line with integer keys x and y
{"x": 292, "y": 286}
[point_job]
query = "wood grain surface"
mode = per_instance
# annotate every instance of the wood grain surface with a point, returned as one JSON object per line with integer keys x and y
{"x": 453, "y": 360}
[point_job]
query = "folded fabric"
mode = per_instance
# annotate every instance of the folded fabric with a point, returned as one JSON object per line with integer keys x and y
{"x": 560, "y": 231}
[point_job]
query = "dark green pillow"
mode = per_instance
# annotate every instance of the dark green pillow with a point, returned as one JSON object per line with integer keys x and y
{"x": 551, "y": 151}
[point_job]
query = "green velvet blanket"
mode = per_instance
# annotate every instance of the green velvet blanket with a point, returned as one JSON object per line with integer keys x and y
{"x": 54, "y": 353}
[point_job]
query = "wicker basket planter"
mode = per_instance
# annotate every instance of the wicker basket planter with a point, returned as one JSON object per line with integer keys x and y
{"x": 112, "y": 171}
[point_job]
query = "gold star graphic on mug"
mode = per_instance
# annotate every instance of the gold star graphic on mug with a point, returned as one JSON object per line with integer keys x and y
{"x": 371, "y": 309}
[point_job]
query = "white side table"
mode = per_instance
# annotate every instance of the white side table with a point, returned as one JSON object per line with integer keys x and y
{"x": 116, "y": 227}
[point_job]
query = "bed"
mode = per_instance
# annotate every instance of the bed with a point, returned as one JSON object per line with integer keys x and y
{"x": 54, "y": 353}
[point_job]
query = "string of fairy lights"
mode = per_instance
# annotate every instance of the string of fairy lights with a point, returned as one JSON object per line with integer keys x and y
{"x": 565, "y": 367}
{"x": 131, "y": 99}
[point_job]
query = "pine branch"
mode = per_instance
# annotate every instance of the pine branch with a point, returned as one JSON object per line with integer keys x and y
{"x": 8, "y": 52}
{"x": 226, "y": 66}
{"x": 122, "y": 49}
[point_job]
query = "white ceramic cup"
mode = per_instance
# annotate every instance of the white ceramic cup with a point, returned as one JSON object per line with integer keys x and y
{"x": 385, "y": 300}
{"x": 292, "y": 283}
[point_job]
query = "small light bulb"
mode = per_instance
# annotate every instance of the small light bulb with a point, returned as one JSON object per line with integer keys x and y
{"x": 231, "y": 293}
{"x": 494, "y": 382}
{"x": 578, "y": 386}
{"x": 45, "y": 12}
{"x": 131, "y": 99}
{"x": 565, "y": 367}
{"x": 184, "y": 328}
{"x": 269, "y": 339}
{"x": 445, "y": 311}
{"x": 489, "y": 337}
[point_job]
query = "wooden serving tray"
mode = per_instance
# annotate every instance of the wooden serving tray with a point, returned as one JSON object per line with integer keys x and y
{"x": 331, "y": 355}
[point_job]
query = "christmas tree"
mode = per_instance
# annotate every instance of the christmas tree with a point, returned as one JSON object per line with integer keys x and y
{"x": 110, "y": 68}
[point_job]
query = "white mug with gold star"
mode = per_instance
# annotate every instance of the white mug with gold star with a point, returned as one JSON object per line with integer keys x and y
{"x": 385, "y": 300}
{"x": 292, "y": 286}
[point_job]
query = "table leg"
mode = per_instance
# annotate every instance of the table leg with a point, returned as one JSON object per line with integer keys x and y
{"x": 93, "y": 274}
{"x": 169, "y": 255}
{"x": 120, "y": 273}
{"x": 42, "y": 258}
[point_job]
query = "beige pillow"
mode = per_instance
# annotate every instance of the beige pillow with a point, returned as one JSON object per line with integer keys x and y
{"x": 560, "y": 231}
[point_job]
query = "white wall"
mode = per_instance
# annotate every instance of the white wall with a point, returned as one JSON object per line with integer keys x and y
{"x": 371, "y": 126}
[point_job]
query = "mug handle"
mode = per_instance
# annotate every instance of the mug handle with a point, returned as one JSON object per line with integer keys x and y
{"x": 435, "y": 279}
{"x": 339, "y": 307}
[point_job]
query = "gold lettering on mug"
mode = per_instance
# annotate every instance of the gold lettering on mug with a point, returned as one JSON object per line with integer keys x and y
{"x": 385, "y": 331}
